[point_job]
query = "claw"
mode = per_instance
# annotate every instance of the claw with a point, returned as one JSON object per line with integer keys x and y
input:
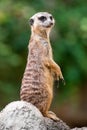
{"x": 63, "y": 81}
{"x": 57, "y": 83}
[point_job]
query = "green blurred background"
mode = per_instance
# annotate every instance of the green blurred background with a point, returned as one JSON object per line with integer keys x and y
{"x": 69, "y": 43}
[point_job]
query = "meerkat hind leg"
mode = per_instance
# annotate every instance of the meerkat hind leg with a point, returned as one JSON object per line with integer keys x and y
{"x": 52, "y": 116}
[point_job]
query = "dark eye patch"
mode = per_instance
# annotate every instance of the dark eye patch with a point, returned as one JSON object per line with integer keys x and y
{"x": 42, "y": 18}
{"x": 51, "y": 17}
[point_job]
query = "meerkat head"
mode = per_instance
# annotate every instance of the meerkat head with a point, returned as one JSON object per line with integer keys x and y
{"x": 42, "y": 21}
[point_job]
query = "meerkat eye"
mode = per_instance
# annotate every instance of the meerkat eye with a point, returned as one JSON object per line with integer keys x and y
{"x": 42, "y": 18}
{"x": 51, "y": 17}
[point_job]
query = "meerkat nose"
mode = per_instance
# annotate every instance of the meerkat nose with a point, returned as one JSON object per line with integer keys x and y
{"x": 51, "y": 23}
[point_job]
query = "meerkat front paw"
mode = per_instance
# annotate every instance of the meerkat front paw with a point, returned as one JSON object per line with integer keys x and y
{"x": 59, "y": 76}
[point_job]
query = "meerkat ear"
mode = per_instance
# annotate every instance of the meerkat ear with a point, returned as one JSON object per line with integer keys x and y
{"x": 31, "y": 21}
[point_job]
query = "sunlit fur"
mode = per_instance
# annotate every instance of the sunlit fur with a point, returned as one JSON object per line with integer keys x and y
{"x": 40, "y": 71}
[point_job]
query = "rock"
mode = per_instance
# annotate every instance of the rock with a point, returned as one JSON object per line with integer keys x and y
{"x": 20, "y": 115}
{"x": 52, "y": 125}
{"x": 83, "y": 128}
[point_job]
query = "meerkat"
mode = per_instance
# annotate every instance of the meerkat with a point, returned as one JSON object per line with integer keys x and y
{"x": 41, "y": 70}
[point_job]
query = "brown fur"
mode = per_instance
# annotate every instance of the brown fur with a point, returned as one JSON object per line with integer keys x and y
{"x": 37, "y": 82}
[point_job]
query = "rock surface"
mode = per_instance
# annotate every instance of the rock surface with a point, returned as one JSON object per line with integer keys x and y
{"x": 20, "y": 115}
{"x": 52, "y": 125}
{"x": 83, "y": 128}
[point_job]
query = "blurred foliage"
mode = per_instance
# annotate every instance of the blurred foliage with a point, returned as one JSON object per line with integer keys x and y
{"x": 68, "y": 38}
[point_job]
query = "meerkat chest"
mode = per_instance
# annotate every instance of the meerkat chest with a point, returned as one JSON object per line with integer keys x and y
{"x": 40, "y": 48}
{"x": 46, "y": 47}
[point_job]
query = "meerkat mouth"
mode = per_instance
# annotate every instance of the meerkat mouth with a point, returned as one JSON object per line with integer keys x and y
{"x": 48, "y": 26}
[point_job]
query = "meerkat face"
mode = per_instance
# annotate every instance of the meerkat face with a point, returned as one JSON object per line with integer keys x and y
{"x": 42, "y": 21}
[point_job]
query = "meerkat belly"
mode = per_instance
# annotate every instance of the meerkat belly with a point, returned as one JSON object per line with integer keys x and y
{"x": 36, "y": 84}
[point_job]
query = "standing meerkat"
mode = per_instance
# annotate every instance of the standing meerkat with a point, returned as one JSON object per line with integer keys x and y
{"x": 41, "y": 70}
